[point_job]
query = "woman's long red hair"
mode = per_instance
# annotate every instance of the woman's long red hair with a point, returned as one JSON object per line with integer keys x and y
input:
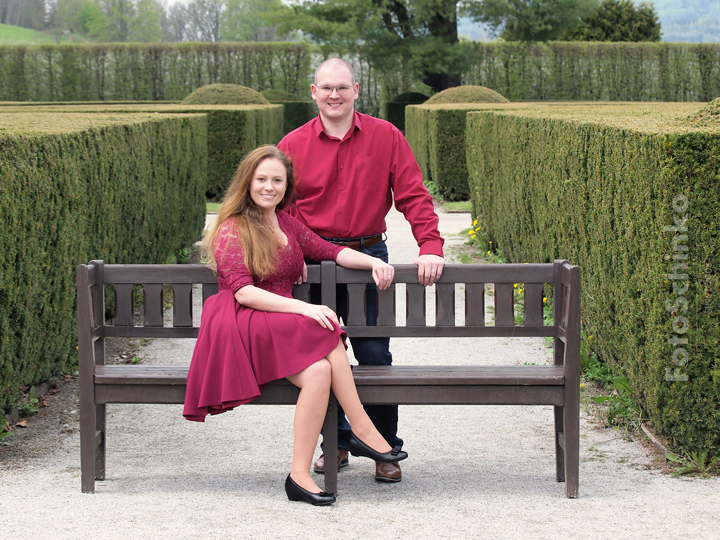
{"x": 260, "y": 244}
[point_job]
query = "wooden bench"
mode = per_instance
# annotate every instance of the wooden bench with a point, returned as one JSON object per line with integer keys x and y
{"x": 557, "y": 385}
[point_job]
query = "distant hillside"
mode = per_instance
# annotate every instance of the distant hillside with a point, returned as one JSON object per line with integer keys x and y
{"x": 682, "y": 21}
{"x": 15, "y": 34}
{"x": 690, "y": 21}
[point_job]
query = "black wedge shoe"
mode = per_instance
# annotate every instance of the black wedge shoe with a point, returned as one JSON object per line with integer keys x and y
{"x": 360, "y": 449}
{"x": 296, "y": 493}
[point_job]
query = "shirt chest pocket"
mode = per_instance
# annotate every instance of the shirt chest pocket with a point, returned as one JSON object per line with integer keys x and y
{"x": 370, "y": 173}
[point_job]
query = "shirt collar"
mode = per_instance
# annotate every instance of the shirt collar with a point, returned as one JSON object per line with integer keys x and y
{"x": 357, "y": 123}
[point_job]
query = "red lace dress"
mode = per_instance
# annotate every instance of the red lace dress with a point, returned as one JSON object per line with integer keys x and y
{"x": 240, "y": 349}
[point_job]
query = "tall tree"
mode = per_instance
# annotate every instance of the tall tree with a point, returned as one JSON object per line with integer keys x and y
{"x": 120, "y": 14}
{"x": 243, "y": 20}
{"x": 418, "y": 36}
{"x": 617, "y": 20}
{"x": 145, "y": 25}
{"x": 25, "y": 13}
{"x": 205, "y": 16}
{"x": 531, "y": 20}
{"x": 176, "y": 23}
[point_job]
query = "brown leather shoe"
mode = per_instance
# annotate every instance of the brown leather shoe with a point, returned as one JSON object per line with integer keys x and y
{"x": 342, "y": 461}
{"x": 387, "y": 472}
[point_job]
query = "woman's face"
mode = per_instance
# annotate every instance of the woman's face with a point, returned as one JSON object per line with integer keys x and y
{"x": 268, "y": 185}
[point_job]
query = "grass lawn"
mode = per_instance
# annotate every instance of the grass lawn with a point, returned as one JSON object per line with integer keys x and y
{"x": 212, "y": 207}
{"x": 15, "y": 34}
{"x": 458, "y": 206}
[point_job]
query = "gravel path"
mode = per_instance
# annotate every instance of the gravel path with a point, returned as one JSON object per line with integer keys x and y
{"x": 473, "y": 472}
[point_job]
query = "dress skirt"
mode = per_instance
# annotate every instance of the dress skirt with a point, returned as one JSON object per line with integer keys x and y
{"x": 240, "y": 349}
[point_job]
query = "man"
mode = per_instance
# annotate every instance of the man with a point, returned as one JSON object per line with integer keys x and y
{"x": 349, "y": 168}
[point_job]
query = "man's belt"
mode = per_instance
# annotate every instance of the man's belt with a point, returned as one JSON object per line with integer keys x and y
{"x": 355, "y": 243}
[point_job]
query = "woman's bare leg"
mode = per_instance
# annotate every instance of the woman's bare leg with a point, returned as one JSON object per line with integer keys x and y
{"x": 314, "y": 383}
{"x": 343, "y": 386}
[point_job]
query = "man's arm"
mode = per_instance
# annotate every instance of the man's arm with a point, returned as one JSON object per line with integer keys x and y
{"x": 414, "y": 201}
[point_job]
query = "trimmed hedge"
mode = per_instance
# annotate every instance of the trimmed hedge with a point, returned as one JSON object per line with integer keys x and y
{"x": 519, "y": 71}
{"x": 123, "y": 188}
{"x": 147, "y": 72}
{"x": 436, "y": 134}
{"x": 467, "y": 93}
{"x": 596, "y": 70}
{"x": 232, "y": 130}
{"x": 295, "y": 112}
{"x": 394, "y": 110}
{"x": 606, "y": 187}
{"x": 224, "y": 94}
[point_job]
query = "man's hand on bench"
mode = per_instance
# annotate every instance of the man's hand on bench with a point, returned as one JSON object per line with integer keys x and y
{"x": 430, "y": 268}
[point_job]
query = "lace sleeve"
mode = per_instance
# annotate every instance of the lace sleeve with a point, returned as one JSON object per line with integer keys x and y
{"x": 229, "y": 258}
{"x": 312, "y": 246}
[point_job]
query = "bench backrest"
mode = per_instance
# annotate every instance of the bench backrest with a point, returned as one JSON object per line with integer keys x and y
{"x": 563, "y": 277}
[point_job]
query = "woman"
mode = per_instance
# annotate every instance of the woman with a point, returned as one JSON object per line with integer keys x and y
{"x": 253, "y": 331}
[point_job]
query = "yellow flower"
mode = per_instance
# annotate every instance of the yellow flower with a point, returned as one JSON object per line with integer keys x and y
{"x": 471, "y": 233}
{"x": 515, "y": 286}
{"x": 478, "y": 229}
{"x": 582, "y": 385}
{"x": 491, "y": 241}
{"x": 488, "y": 252}
{"x": 590, "y": 337}
{"x": 544, "y": 299}
{"x": 475, "y": 223}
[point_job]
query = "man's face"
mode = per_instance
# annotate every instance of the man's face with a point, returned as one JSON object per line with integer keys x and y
{"x": 334, "y": 93}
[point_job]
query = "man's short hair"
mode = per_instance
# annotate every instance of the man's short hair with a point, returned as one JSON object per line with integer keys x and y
{"x": 335, "y": 62}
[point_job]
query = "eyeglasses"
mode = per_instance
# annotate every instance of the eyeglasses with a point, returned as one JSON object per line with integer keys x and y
{"x": 341, "y": 90}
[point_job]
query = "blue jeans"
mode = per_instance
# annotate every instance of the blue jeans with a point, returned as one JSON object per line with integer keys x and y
{"x": 369, "y": 352}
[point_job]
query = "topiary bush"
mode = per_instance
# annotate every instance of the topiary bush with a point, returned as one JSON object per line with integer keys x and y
{"x": 630, "y": 193}
{"x": 394, "y": 110}
{"x": 125, "y": 188}
{"x": 467, "y": 94}
{"x": 278, "y": 96}
{"x": 295, "y": 111}
{"x": 225, "y": 94}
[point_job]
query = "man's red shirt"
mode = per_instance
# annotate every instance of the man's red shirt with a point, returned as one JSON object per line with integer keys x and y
{"x": 345, "y": 188}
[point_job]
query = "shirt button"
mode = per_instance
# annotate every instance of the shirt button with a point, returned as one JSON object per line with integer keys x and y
{"x": 340, "y": 189}
{"x": 341, "y": 166}
{"x": 339, "y": 211}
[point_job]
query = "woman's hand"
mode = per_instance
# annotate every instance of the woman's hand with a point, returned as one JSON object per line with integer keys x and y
{"x": 382, "y": 273}
{"x": 322, "y": 314}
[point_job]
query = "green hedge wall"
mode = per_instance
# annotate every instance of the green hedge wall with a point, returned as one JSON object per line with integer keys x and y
{"x": 232, "y": 130}
{"x": 596, "y": 70}
{"x": 604, "y": 187}
{"x": 123, "y": 188}
{"x": 140, "y": 72}
{"x": 436, "y": 134}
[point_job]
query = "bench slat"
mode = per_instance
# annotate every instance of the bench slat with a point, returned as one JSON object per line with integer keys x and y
{"x": 445, "y": 304}
{"x": 356, "y": 305}
{"x": 474, "y": 304}
{"x": 488, "y": 273}
{"x": 533, "y": 304}
{"x": 359, "y": 331}
{"x": 415, "y": 310}
{"x": 363, "y": 375}
{"x": 182, "y": 305}
{"x": 153, "y": 301}
{"x": 504, "y": 307}
{"x": 208, "y": 289}
{"x": 124, "y": 305}
{"x": 386, "y": 307}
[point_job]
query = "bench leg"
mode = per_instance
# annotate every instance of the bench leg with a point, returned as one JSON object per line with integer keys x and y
{"x": 87, "y": 439}
{"x": 559, "y": 445}
{"x": 571, "y": 424}
{"x": 330, "y": 435}
{"x": 100, "y": 435}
